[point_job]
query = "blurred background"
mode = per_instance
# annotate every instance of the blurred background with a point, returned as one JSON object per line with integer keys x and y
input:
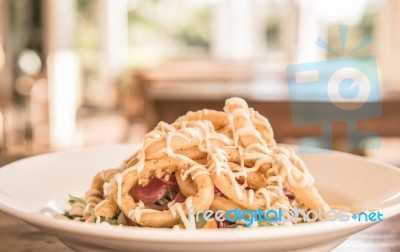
{"x": 83, "y": 72}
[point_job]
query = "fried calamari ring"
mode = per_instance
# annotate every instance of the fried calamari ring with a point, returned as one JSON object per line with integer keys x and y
{"x": 131, "y": 160}
{"x": 244, "y": 132}
{"x": 234, "y": 150}
{"x": 106, "y": 208}
{"x": 247, "y": 198}
{"x": 244, "y": 135}
{"x": 309, "y": 196}
{"x": 168, "y": 142}
{"x": 300, "y": 182}
{"x": 262, "y": 124}
{"x": 217, "y": 118}
{"x": 188, "y": 188}
{"x": 167, "y": 218}
{"x": 95, "y": 194}
{"x": 253, "y": 180}
{"x": 158, "y": 144}
{"x": 225, "y": 204}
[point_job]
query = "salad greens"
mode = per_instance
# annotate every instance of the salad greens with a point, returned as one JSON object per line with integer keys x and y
{"x": 72, "y": 200}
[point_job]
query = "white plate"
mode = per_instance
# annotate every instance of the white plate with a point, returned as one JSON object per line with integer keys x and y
{"x": 32, "y": 188}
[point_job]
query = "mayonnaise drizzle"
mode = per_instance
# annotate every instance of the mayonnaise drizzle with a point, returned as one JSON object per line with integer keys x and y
{"x": 118, "y": 179}
{"x": 285, "y": 164}
{"x": 136, "y": 213}
{"x": 266, "y": 195}
{"x": 191, "y": 170}
{"x": 251, "y": 196}
{"x": 178, "y": 208}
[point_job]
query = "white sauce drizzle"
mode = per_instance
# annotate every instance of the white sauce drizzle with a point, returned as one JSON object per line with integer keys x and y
{"x": 251, "y": 196}
{"x": 178, "y": 208}
{"x": 118, "y": 179}
{"x": 286, "y": 166}
{"x": 266, "y": 194}
{"x": 193, "y": 169}
{"x": 136, "y": 213}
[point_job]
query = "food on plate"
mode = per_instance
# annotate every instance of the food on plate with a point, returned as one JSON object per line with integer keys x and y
{"x": 204, "y": 161}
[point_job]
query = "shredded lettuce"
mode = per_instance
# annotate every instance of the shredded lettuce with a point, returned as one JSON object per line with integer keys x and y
{"x": 260, "y": 224}
{"x": 264, "y": 223}
{"x": 162, "y": 201}
{"x": 66, "y": 214}
{"x": 166, "y": 199}
{"x": 108, "y": 220}
{"x": 201, "y": 222}
{"x": 73, "y": 200}
{"x": 236, "y": 225}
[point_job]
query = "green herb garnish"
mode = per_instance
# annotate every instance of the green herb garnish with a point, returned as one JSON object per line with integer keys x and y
{"x": 200, "y": 222}
{"x": 73, "y": 200}
{"x": 264, "y": 223}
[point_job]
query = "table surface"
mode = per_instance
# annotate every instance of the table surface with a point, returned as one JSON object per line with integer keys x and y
{"x": 16, "y": 235}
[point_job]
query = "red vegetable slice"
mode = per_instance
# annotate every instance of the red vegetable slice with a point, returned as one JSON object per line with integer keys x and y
{"x": 171, "y": 181}
{"x": 155, "y": 190}
{"x": 223, "y": 224}
{"x": 288, "y": 193}
{"x": 180, "y": 198}
{"x": 152, "y": 192}
{"x": 218, "y": 192}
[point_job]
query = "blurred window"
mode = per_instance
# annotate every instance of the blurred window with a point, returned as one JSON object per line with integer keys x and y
{"x": 87, "y": 47}
{"x": 159, "y": 30}
{"x": 273, "y": 28}
{"x": 168, "y": 28}
{"x": 26, "y": 38}
{"x": 361, "y": 26}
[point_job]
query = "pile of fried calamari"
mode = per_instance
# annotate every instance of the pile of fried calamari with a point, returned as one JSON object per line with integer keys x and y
{"x": 218, "y": 160}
